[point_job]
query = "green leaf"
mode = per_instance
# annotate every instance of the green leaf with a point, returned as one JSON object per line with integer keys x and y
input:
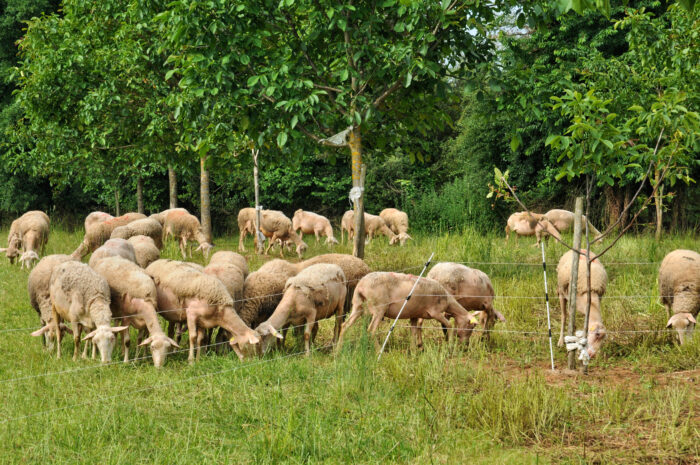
{"x": 170, "y": 73}
{"x": 445, "y": 4}
{"x": 244, "y": 59}
{"x": 515, "y": 143}
{"x": 409, "y": 77}
{"x": 253, "y": 80}
{"x": 281, "y": 139}
{"x": 294, "y": 121}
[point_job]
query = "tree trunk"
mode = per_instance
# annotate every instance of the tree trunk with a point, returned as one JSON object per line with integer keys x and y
{"x": 172, "y": 183}
{"x": 116, "y": 201}
{"x": 677, "y": 208}
{"x": 355, "y": 143}
{"x": 139, "y": 194}
{"x": 614, "y": 204}
{"x": 658, "y": 201}
{"x": 204, "y": 199}
{"x": 261, "y": 246}
{"x": 626, "y": 213}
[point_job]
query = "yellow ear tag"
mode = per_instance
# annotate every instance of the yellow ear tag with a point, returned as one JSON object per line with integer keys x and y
{"x": 231, "y": 340}
{"x": 473, "y": 321}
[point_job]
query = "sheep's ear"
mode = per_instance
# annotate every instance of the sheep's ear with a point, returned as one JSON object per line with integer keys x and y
{"x": 146, "y": 341}
{"x": 173, "y": 343}
{"x": 691, "y": 318}
{"x": 253, "y": 338}
{"x": 89, "y": 335}
{"x": 472, "y": 318}
{"x": 499, "y": 315}
{"x": 41, "y": 331}
{"x": 3, "y": 250}
{"x": 118, "y": 329}
{"x": 275, "y": 333}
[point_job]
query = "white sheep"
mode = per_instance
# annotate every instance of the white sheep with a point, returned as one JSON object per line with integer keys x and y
{"x": 679, "y": 290}
{"x": 183, "y": 226}
{"x": 599, "y": 283}
{"x": 98, "y": 233}
{"x": 262, "y": 291}
{"x": 113, "y": 248}
{"x": 562, "y": 221}
{"x": 397, "y": 221}
{"x": 96, "y": 217}
{"x": 160, "y": 217}
{"x": 347, "y": 224}
{"x": 313, "y": 223}
{"x": 82, "y": 297}
{"x": 530, "y": 224}
{"x": 232, "y": 258}
{"x": 134, "y": 303}
{"x": 316, "y": 293}
{"x": 275, "y": 225}
{"x": 246, "y": 225}
{"x": 374, "y": 225}
{"x": 145, "y": 250}
{"x": 145, "y": 227}
{"x": 29, "y": 232}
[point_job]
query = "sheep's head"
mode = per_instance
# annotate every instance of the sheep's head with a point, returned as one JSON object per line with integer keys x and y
{"x": 465, "y": 325}
{"x": 596, "y": 336}
{"x": 301, "y": 249}
{"x": 160, "y": 347}
{"x": 12, "y": 251}
{"x": 403, "y": 237}
{"x": 28, "y": 259}
{"x": 103, "y": 337}
{"x": 245, "y": 345}
{"x": 269, "y": 334}
{"x": 394, "y": 240}
{"x": 330, "y": 240}
{"x": 684, "y": 324}
{"x": 205, "y": 247}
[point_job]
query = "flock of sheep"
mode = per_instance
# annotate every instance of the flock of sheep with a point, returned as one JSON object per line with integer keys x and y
{"x": 127, "y": 281}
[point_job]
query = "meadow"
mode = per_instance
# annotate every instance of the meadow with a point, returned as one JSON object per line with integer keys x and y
{"x": 496, "y": 402}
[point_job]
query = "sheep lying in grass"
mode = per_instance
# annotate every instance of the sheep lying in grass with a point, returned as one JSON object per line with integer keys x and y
{"x": 206, "y": 304}
{"x": 38, "y": 290}
{"x": 562, "y": 221}
{"x": 145, "y": 227}
{"x": 98, "y": 233}
{"x": 275, "y": 225}
{"x": 384, "y": 294}
{"x": 81, "y": 296}
{"x": 183, "y": 226}
{"x": 134, "y": 302}
{"x": 679, "y": 288}
{"x": 599, "y": 282}
{"x": 29, "y": 232}
{"x": 232, "y": 258}
{"x": 472, "y": 288}
{"x": 113, "y": 248}
{"x": 373, "y": 225}
{"x": 316, "y": 293}
{"x": 145, "y": 250}
{"x": 397, "y": 221}
{"x": 313, "y": 223}
{"x": 96, "y": 217}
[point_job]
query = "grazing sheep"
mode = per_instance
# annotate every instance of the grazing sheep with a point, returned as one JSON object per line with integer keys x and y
{"x": 160, "y": 217}
{"x": 113, "y": 248}
{"x": 316, "y": 293}
{"x": 397, "y": 222}
{"x": 96, "y": 217}
{"x": 532, "y": 224}
{"x": 81, "y": 296}
{"x": 563, "y": 220}
{"x": 313, "y": 223}
{"x": 134, "y": 302}
{"x": 374, "y": 224}
{"x": 145, "y": 250}
{"x": 246, "y": 225}
{"x": 472, "y": 288}
{"x": 206, "y": 304}
{"x": 679, "y": 288}
{"x": 38, "y": 290}
{"x": 145, "y": 227}
{"x": 599, "y": 282}
{"x": 279, "y": 266}
{"x": 262, "y": 291}
{"x": 98, "y": 233}
{"x": 347, "y": 224}
{"x": 385, "y": 293}
{"x": 275, "y": 225}
{"x": 232, "y": 258}
{"x": 183, "y": 226}
{"x": 231, "y": 277}
{"x": 29, "y": 232}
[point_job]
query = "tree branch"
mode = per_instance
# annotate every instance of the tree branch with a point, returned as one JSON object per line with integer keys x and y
{"x": 386, "y": 93}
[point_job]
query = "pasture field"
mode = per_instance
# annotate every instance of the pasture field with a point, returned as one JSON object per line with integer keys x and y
{"x": 488, "y": 403}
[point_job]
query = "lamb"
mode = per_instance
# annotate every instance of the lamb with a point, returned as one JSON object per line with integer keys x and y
{"x": 397, "y": 222}
{"x": 316, "y": 293}
{"x": 262, "y": 291}
{"x": 313, "y": 223}
{"x": 373, "y": 225}
{"x": 472, "y": 288}
{"x": 160, "y": 217}
{"x": 599, "y": 282}
{"x": 113, "y": 248}
{"x": 679, "y": 290}
{"x": 145, "y": 250}
{"x": 275, "y": 225}
{"x": 133, "y": 299}
{"x": 246, "y": 225}
{"x": 29, "y": 232}
{"x": 38, "y": 290}
{"x": 145, "y": 227}
{"x": 232, "y": 258}
{"x": 563, "y": 220}
{"x": 80, "y": 295}
{"x": 184, "y": 227}
{"x": 98, "y": 233}
{"x": 385, "y": 293}
{"x": 206, "y": 304}
{"x": 96, "y": 217}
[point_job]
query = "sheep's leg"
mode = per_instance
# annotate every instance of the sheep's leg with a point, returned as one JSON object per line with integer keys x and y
{"x": 562, "y": 307}
{"x": 180, "y": 331}
{"x": 192, "y": 328}
{"x": 318, "y": 235}
{"x": 126, "y": 344}
{"x": 417, "y": 333}
{"x": 183, "y": 244}
{"x": 241, "y": 247}
{"x": 444, "y": 321}
{"x": 339, "y": 311}
{"x": 308, "y": 329}
{"x": 77, "y": 329}
{"x": 356, "y": 313}
{"x": 58, "y": 331}
{"x": 507, "y": 233}
{"x": 269, "y": 245}
{"x": 372, "y": 328}
{"x": 200, "y": 337}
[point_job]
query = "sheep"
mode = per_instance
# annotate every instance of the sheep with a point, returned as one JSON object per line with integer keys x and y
{"x": 96, "y": 217}
{"x": 599, "y": 282}
{"x": 134, "y": 302}
{"x": 246, "y": 225}
{"x": 232, "y": 258}
{"x": 679, "y": 290}
{"x": 113, "y": 248}
{"x": 80, "y": 295}
{"x": 232, "y": 278}
{"x": 397, "y": 222}
{"x": 184, "y": 227}
{"x": 316, "y": 293}
{"x": 279, "y": 266}
{"x": 472, "y": 288}
{"x": 160, "y": 217}
{"x": 205, "y": 303}
{"x": 530, "y": 224}
{"x": 346, "y": 224}
{"x": 98, "y": 233}
{"x": 275, "y": 225}
{"x": 262, "y": 291}
{"x": 373, "y": 225}
{"x": 313, "y": 223}
{"x": 385, "y": 293}
{"x": 38, "y": 290}
{"x": 29, "y": 232}
{"x": 563, "y": 220}
{"x": 145, "y": 250}
{"x": 145, "y": 227}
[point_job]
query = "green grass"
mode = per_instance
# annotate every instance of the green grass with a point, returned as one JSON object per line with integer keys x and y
{"x": 496, "y": 403}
